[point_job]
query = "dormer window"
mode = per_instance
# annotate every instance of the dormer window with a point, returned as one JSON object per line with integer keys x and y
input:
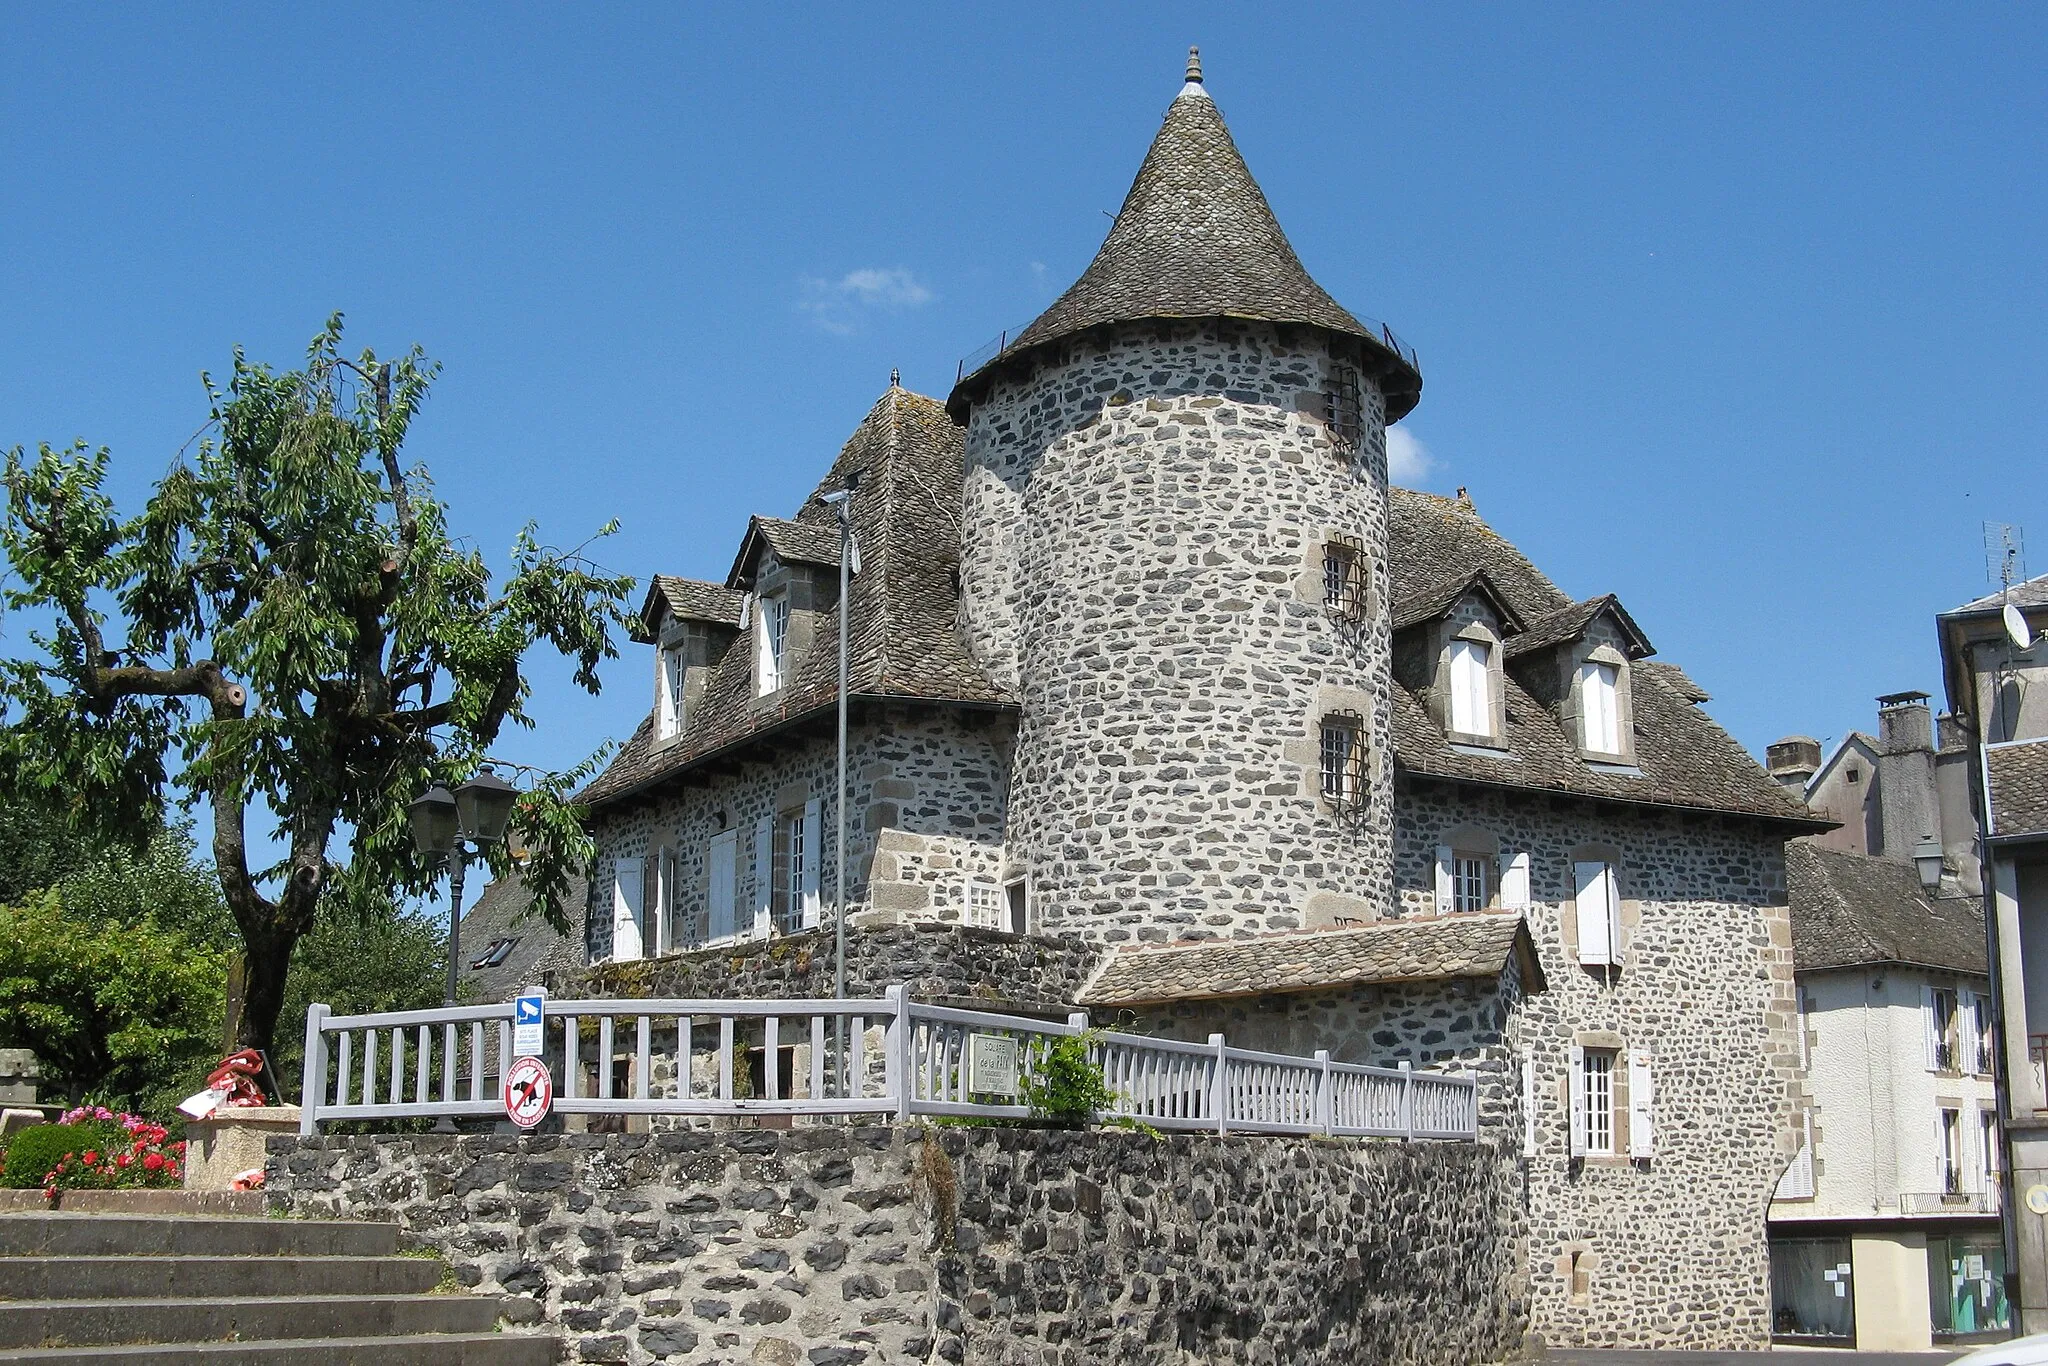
{"x": 672, "y": 672}
{"x": 1600, "y": 707}
{"x": 1344, "y": 577}
{"x": 771, "y": 644}
{"x": 1471, "y": 687}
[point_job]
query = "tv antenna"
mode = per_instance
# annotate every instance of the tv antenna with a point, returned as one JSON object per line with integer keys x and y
{"x": 2005, "y": 553}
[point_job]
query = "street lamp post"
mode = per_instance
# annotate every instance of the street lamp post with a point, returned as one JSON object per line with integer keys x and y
{"x": 454, "y": 828}
{"x": 841, "y": 502}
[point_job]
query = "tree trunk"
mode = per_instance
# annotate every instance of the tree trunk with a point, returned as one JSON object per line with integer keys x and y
{"x": 267, "y": 959}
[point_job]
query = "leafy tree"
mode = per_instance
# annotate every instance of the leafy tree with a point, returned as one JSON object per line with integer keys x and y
{"x": 120, "y": 1010}
{"x": 288, "y": 625}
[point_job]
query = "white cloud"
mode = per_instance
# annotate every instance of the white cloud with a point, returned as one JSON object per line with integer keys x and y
{"x": 1408, "y": 460}
{"x": 836, "y": 305}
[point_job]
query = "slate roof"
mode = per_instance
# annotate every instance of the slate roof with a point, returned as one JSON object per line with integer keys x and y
{"x": 502, "y": 913}
{"x": 1852, "y": 910}
{"x": 1442, "y": 597}
{"x": 797, "y": 542}
{"x": 691, "y": 600}
{"x": 1685, "y": 760}
{"x": 1195, "y": 238}
{"x": 1569, "y": 623}
{"x": 2019, "y": 788}
{"x": 1427, "y": 949}
{"x": 2031, "y": 593}
{"x": 904, "y": 642}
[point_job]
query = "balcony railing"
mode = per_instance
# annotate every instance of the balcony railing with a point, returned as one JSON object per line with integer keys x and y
{"x": 900, "y": 1058}
{"x": 1960, "y": 1202}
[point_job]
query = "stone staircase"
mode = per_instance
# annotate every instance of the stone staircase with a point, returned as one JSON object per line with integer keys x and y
{"x": 182, "y": 1290}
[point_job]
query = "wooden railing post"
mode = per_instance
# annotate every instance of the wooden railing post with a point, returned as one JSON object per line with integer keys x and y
{"x": 1407, "y": 1100}
{"x": 1325, "y": 1100}
{"x": 313, "y": 1080}
{"x": 896, "y": 1065}
{"x": 1219, "y": 1085}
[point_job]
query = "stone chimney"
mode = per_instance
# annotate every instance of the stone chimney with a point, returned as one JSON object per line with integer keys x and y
{"x": 1792, "y": 762}
{"x": 1905, "y": 773}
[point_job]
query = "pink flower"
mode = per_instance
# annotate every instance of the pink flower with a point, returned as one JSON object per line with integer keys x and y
{"x": 153, "y": 1162}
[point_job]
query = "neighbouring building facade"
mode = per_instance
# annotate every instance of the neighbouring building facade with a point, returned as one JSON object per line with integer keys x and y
{"x": 1165, "y": 705}
{"x": 1995, "y": 672}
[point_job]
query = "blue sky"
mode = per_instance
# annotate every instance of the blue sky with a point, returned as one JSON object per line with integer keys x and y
{"x": 1735, "y": 311}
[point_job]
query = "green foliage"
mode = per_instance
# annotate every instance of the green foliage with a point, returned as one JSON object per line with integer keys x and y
{"x": 33, "y": 1153}
{"x": 115, "y": 1007}
{"x": 1063, "y": 1084}
{"x": 288, "y": 626}
{"x": 361, "y": 960}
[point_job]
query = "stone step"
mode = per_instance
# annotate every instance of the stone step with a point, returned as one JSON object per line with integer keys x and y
{"x": 39, "y": 1323}
{"x": 92, "y": 1278}
{"x": 424, "y": 1349}
{"x": 115, "y": 1235}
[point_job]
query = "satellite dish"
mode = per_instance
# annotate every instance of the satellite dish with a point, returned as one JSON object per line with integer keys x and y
{"x": 2016, "y": 627}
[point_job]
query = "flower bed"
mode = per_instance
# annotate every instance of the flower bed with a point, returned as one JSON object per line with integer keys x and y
{"x": 93, "y": 1148}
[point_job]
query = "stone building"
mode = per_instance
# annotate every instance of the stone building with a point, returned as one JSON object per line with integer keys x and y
{"x": 1165, "y": 704}
{"x": 1995, "y": 671}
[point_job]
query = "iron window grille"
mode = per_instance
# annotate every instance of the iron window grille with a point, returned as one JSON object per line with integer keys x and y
{"x": 1344, "y": 577}
{"x": 1343, "y": 762}
{"x": 1345, "y": 404}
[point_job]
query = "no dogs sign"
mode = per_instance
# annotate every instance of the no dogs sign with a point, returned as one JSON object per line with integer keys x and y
{"x": 529, "y": 1091}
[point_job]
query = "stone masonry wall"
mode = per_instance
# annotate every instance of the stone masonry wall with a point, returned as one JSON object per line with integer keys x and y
{"x": 1670, "y": 1251}
{"x": 952, "y": 964}
{"x": 921, "y": 771}
{"x": 837, "y": 1246}
{"x": 1143, "y": 526}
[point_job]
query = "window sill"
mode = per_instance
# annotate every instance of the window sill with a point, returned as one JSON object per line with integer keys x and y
{"x": 1481, "y": 747}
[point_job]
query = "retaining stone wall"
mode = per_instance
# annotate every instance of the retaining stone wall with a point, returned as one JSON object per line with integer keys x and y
{"x": 835, "y": 1246}
{"x": 1675, "y": 1246}
{"x": 1142, "y": 534}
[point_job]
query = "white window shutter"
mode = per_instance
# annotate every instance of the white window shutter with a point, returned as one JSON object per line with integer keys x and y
{"x": 1641, "y": 1102}
{"x": 628, "y": 909}
{"x": 1514, "y": 881}
{"x": 1444, "y": 870}
{"x": 722, "y": 896}
{"x": 1595, "y": 884}
{"x": 1966, "y": 1032}
{"x": 1528, "y": 1102}
{"x": 764, "y": 875}
{"x": 1613, "y": 915}
{"x": 814, "y": 840}
{"x": 1575, "y": 1082}
{"x": 1797, "y": 1182}
{"x": 1931, "y": 1027}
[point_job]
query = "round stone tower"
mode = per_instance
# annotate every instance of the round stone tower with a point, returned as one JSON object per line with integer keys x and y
{"x": 1174, "y": 555}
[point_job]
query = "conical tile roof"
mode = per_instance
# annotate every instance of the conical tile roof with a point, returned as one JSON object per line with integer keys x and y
{"x": 1196, "y": 239}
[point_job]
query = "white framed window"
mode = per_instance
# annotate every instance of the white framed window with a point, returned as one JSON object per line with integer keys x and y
{"x": 1977, "y": 1033}
{"x": 1598, "y": 904}
{"x": 1949, "y": 1150}
{"x": 1594, "y": 1103}
{"x": 771, "y": 644}
{"x": 797, "y": 839}
{"x": 1470, "y": 874}
{"x": 723, "y": 889}
{"x": 1471, "y": 687}
{"x": 1987, "y": 1148}
{"x": 1942, "y": 1020}
{"x": 669, "y": 693}
{"x": 982, "y": 904}
{"x": 1343, "y": 761}
{"x": 1600, "y": 708}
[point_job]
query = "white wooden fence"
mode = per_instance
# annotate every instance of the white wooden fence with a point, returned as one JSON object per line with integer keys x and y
{"x": 901, "y": 1058}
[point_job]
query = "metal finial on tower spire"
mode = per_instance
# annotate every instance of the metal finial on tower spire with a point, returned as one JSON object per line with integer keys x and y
{"x": 895, "y": 378}
{"x": 1195, "y": 66}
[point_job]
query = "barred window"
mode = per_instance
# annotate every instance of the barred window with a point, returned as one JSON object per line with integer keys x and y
{"x": 1344, "y": 577}
{"x": 1345, "y": 406}
{"x": 1343, "y": 761}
